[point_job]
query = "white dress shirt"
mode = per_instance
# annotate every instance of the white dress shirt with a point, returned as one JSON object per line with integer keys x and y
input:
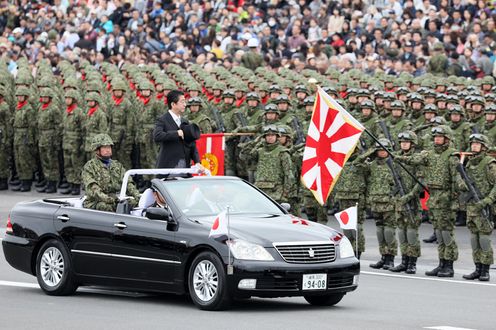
{"x": 176, "y": 118}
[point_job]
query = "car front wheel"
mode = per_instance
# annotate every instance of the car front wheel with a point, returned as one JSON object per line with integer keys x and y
{"x": 54, "y": 269}
{"x": 207, "y": 282}
{"x": 325, "y": 300}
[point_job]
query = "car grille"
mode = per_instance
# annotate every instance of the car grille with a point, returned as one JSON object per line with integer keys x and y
{"x": 277, "y": 284}
{"x": 309, "y": 253}
{"x": 339, "y": 282}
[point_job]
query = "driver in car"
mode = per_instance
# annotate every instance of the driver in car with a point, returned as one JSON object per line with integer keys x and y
{"x": 102, "y": 178}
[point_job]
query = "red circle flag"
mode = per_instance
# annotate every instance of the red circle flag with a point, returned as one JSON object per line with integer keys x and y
{"x": 216, "y": 224}
{"x": 344, "y": 218}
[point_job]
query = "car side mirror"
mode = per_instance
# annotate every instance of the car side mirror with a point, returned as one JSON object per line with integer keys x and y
{"x": 286, "y": 206}
{"x": 158, "y": 213}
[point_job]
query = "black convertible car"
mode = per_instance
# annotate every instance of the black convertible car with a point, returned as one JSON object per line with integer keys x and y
{"x": 270, "y": 253}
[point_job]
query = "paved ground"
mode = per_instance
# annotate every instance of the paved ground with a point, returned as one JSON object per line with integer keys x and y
{"x": 383, "y": 300}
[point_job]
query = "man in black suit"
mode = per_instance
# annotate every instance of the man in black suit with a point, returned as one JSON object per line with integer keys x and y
{"x": 174, "y": 133}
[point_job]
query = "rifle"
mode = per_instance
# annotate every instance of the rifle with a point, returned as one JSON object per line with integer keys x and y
{"x": 219, "y": 120}
{"x": 384, "y": 128}
{"x": 300, "y": 137}
{"x": 475, "y": 129}
{"x": 474, "y": 193}
{"x": 398, "y": 182}
{"x": 242, "y": 119}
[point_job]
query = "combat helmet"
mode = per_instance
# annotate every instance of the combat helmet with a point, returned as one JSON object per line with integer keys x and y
{"x": 270, "y": 129}
{"x": 442, "y": 130}
{"x": 93, "y": 96}
{"x": 252, "y": 96}
{"x": 367, "y": 104}
{"x": 491, "y": 108}
{"x": 480, "y": 138}
{"x": 100, "y": 140}
{"x": 271, "y": 107}
{"x": 408, "y": 136}
{"x": 24, "y": 91}
{"x": 430, "y": 108}
{"x": 385, "y": 144}
{"x": 195, "y": 101}
{"x": 309, "y": 100}
{"x": 72, "y": 93}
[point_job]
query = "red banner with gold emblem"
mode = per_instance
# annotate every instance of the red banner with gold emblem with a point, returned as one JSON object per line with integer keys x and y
{"x": 211, "y": 150}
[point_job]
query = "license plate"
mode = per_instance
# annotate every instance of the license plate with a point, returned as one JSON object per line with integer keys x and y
{"x": 314, "y": 282}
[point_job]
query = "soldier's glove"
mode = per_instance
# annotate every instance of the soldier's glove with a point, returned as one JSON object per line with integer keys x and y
{"x": 462, "y": 186}
{"x": 112, "y": 200}
{"x": 482, "y": 204}
{"x": 405, "y": 199}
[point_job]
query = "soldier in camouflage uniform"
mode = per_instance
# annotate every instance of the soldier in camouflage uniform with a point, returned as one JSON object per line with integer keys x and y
{"x": 438, "y": 63}
{"x": 461, "y": 129}
{"x": 407, "y": 217}
{"x": 368, "y": 118}
{"x": 24, "y": 139}
{"x": 226, "y": 108}
{"x": 102, "y": 178}
{"x": 197, "y": 115}
{"x": 72, "y": 142}
{"x": 274, "y": 174}
{"x": 481, "y": 168}
{"x": 5, "y": 139}
{"x": 477, "y": 114}
{"x": 380, "y": 185}
{"x": 95, "y": 122}
{"x": 349, "y": 191}
{"x": 147, "y": 113}
{"x": 49, "y": 139}
{"x": 122, "y": 123}
{"x": 489, "y": 128}
{"x": 253, "y": 109}
{"x": 398, "y": 122}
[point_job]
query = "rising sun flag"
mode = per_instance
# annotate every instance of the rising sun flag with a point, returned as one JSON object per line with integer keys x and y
{"x": 332, "y": 136}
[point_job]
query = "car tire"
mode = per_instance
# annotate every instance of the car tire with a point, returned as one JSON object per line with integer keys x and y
{"x": 54, "y": 269}
{"x": 324, "y": 300}
{"x": 212, "y": 294}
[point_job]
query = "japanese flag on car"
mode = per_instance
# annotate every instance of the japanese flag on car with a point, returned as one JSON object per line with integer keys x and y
{"x": 219, "y": 230}
{"x": 348, "y": 218}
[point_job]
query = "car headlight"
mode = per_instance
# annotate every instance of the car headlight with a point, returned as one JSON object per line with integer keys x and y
{"x": 244, "y": 250}
{"x": 345, "y": 248}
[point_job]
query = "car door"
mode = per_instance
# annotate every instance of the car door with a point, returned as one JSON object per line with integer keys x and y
{"x": 145, "y": 250}
{"x": 88, "y": 234}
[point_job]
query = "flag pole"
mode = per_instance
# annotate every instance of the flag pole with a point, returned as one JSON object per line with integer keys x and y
{"x": 356, "y": 231}
{"x": 399, "y": 163}
{"x": 230, "y": 268}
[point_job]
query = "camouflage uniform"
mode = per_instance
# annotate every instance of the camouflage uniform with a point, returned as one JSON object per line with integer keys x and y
{"x": 95, "y": 122}
{"x": 5, "y": 139}
{"x": 481, "y": 168}
{"x": 72, "y": 141}
{"x": 24, "y": 139}
{"x": 122, "y": 124}
{"x": 49, "y": 139}
{"x": 103, "y": 179}
{"x": 380, "y": 185}
{"x": 489, "y": 128}
{"x": 207, "y": 125}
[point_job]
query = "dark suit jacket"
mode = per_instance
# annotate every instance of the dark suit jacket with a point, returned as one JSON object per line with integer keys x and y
{"x": 174, "y": 152}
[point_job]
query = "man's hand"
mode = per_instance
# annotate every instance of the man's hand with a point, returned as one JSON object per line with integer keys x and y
{"x": 180, "y": 133}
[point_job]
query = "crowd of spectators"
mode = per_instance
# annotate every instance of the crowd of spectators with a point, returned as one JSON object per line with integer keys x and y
{"x": 390, "y": 35}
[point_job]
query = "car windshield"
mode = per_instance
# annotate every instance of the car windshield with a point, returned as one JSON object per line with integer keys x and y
{"x": 210, "y": 197}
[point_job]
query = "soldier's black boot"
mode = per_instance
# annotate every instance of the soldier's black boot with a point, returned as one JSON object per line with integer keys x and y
{"x": 25, "y": 185}
{"x": 40, "y": 183}
{"x": 475, "y": 274}
{"x": 76, "y": 189}
{"x": 484, "y": 275}
{"x": 4, "y": 184}
{"x": 67, "y": 190}
{"x": 16, "y": 187}
{"x": 379, "y": 264}
{"x": 461, "y": 219}
{"x": 14, "y": 181}
{"x": 51, "y": 187}
{"x": 436, "y": 270}
{"x": 389, "y": 263}
{"x": 431, "y": 239}
{"x": 42, "y": 189}
{"x": 447, "y": 270}
{"x": 402, "y": 266}
{"x": 412, "y": 265}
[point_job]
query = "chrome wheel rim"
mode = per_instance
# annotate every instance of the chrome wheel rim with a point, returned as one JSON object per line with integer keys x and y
{"x": 205, "y": 280}
{"x": 52, "y": 266}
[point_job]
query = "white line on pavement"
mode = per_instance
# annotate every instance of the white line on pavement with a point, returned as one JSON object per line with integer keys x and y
{"x": 446, "y": 327}
{"x": 428, "y": 279}
{"x": 19, "y": 284}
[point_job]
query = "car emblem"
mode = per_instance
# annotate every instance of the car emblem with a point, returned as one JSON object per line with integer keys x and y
{"x": 311, "y": 253}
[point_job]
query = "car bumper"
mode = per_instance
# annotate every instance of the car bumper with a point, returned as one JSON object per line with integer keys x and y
{"x": 18, "y": 253}
{"x": 280, "y": 279}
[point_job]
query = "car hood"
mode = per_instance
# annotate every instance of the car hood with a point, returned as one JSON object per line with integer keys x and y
{"x": 266, "y": 229}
